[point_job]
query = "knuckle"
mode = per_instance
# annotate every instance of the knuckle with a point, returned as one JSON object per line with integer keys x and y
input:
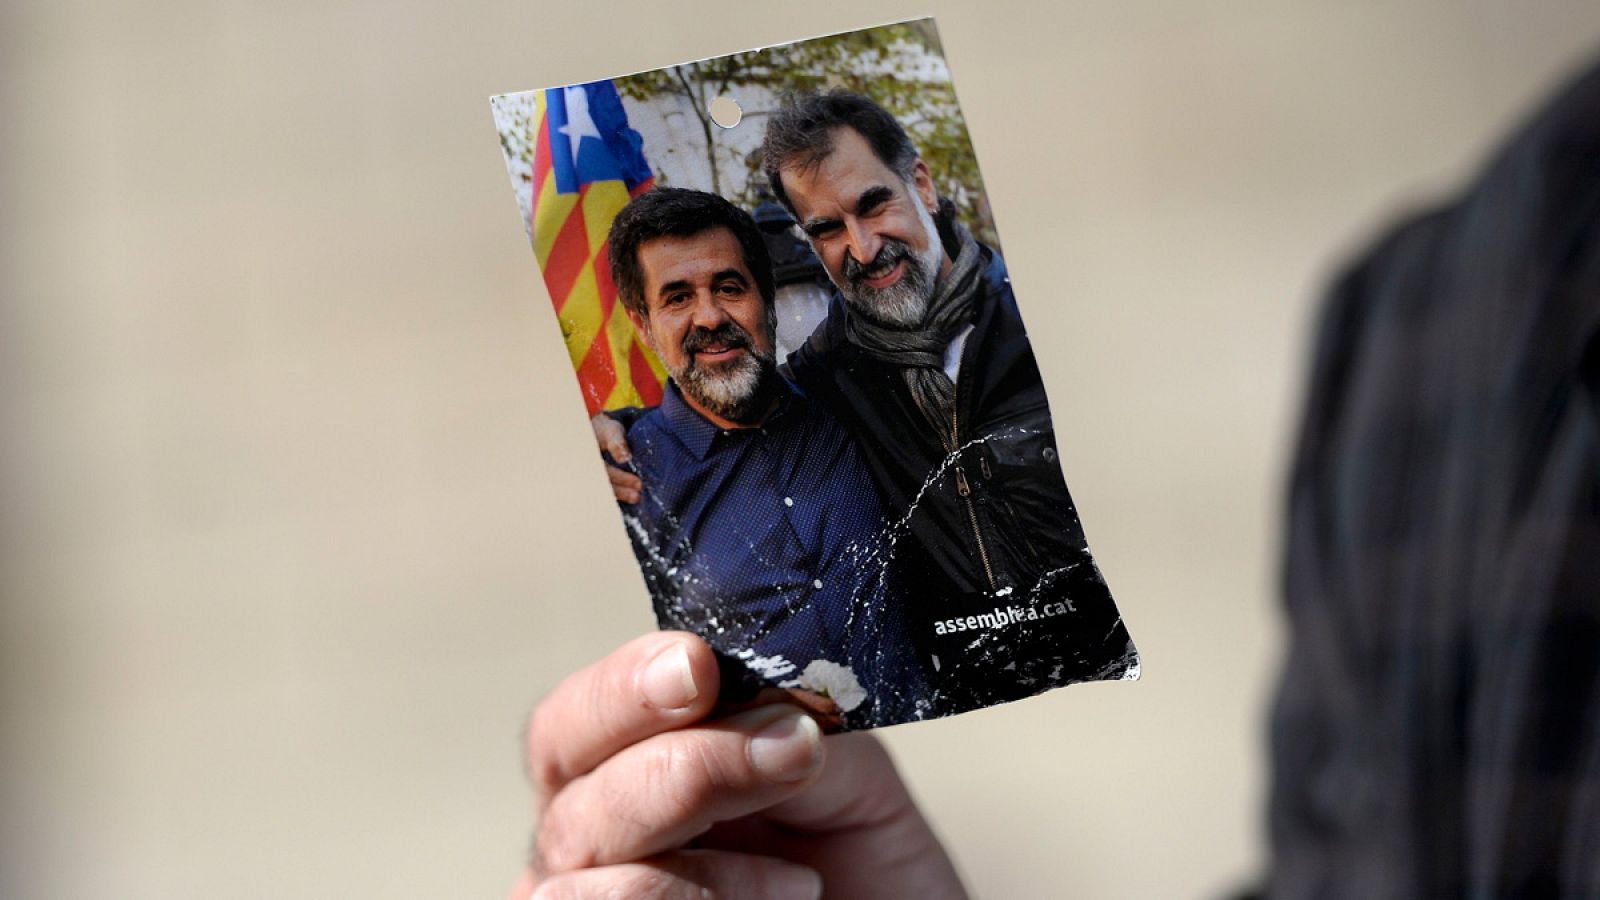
{"x": 688, "y": 776}
{"x": 545, "y": 771}
{"x": 612, "y": 690}
{"x": 557, "y": 849}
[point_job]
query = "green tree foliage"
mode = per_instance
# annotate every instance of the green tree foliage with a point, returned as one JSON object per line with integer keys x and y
{"x": 900, "y": 66}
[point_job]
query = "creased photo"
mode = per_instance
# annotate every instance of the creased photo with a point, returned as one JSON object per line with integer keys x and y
{"x": 780, "y": 283}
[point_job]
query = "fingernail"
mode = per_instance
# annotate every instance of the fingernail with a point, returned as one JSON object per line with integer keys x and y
{"x": 667, "y": 682}
{"x": 787, "y": 750}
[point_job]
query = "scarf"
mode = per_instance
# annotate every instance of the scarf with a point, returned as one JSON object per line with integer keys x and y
{"x": 919, "y": 352}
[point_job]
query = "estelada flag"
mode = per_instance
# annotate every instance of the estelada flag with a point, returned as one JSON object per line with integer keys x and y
{"x": 587, "y": 164}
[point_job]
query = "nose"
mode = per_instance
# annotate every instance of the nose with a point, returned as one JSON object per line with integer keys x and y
{"x": 864, "y": 242}
{"x": 708, "y": 312}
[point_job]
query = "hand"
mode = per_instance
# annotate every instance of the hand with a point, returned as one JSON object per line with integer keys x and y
{"x": 637, "y": 795}
{"x": 613, "y": 439}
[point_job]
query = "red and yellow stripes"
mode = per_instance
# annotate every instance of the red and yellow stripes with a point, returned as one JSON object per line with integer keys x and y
{"x": 614, "y": 366}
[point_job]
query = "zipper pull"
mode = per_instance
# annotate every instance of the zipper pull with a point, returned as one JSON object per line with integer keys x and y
{"x": 962, "y": 487}
{"x": 983, "y": 463}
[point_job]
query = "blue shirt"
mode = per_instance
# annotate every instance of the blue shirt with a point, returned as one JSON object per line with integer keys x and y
{"x": 771, "y": 543}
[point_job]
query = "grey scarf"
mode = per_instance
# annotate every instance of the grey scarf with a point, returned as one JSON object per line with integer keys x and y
{"x": 919, "y": 352}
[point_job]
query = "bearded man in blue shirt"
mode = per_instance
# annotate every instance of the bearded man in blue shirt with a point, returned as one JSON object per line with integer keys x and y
{"x": 759, "y": 526}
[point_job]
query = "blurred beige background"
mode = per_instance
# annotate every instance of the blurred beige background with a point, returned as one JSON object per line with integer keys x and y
{"x": 298, "y": 512}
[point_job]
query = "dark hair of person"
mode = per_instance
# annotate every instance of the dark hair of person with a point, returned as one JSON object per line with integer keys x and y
{"x": 680, "y": 213}
{"x": 800, "y": 134}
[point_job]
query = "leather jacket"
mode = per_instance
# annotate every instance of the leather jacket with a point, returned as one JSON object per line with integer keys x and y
{"x": 984, "y": 518}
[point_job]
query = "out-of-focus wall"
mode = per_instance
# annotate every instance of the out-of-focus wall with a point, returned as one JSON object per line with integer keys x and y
{"x": 299, "y": 513}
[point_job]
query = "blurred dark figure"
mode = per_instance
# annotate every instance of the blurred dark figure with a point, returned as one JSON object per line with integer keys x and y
{"x": 804, "y": 290}
{"x": 1437, "y": 730}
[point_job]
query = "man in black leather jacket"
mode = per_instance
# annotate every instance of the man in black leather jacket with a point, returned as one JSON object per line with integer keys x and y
{"x": 925, "y": 360}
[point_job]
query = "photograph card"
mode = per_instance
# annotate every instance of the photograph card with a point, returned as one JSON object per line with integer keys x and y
{"x": 779, "y": 281}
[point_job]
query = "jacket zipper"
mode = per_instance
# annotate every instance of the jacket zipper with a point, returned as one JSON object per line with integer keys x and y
{"x": 965, "y": 490}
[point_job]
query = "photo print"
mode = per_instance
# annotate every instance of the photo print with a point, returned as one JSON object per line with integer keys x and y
{"x": 781, "y": 287}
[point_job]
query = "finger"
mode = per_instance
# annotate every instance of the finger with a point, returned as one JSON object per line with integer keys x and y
{"x": 611, "y": 436}
{"x": 648, "y": 685}
{"x": 624, "y": 484}
{"x": 690, "y": 875}
{"x": 660, "y": 793}
{"x": 857, "y": 809}
{"x": 860, "y": 788}
{"x": 523, "y": 889}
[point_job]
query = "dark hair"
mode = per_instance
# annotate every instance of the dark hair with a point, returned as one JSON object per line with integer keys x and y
{"x": 800, "y": 134}
{"x": 678, "y": 212}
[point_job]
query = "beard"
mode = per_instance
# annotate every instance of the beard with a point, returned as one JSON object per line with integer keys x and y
{"x": 737, "y": 390}
{"x": 904, "y": 303}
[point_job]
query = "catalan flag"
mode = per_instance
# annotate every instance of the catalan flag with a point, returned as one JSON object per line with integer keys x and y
{"x": 587, "y": 165}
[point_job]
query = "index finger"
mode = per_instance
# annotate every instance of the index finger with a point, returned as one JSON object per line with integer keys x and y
{"x": 624, "y": 484}
{"x": 651, "y": 684}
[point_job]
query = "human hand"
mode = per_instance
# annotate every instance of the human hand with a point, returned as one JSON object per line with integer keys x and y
{"x": 612, "y": 438}
{"x": 636, "y": 794}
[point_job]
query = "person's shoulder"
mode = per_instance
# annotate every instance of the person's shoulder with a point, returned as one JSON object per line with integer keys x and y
{"x": 994, "y": 262}
{"x": 656, "y": 454}
{"x": 803, "y": 407}
{"x": 995, "y": 274}
{"x": 1000, "y": 300}
{"x": 637, "y": 417}
{"x": 646, "y": 427}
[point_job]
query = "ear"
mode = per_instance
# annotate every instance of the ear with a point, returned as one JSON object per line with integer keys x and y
{"x": 922, "y": 182}
{"x": 640, "y": 325}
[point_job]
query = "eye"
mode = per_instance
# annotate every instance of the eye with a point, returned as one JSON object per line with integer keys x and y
{"x": 820, "y": 231}
{"x": 731, "y": 289}
{"x": 873, "y": 201}
{"x": 675, "y": 300}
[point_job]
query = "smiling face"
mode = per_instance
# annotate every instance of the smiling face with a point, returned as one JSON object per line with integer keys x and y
{"x": 706, "y": 320}
{"x": 872, "y": 229}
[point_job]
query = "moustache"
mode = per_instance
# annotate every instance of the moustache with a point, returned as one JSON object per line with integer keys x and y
{"x": 726, "y": 335}
{"x": 892, "y": 251}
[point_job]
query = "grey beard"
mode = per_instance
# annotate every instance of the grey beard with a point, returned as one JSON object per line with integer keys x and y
{"x": 903, "y": 304}
{"x": 737, "y": 392}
